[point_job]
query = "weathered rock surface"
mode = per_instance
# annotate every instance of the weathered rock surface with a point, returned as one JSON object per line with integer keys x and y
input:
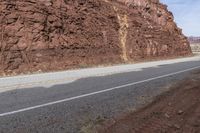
{"x": 47, "y": 35}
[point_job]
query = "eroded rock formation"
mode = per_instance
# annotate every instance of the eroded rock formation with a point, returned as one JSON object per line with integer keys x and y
{"x": 48, "y": 35}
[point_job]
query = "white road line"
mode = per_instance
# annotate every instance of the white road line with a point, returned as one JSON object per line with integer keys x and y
{"x": 94, "y": 93}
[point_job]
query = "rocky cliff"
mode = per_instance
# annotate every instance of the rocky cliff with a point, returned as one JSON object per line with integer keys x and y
{"x": 48, "y": 35}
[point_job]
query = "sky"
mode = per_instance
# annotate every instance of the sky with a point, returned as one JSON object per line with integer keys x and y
{"x": 186, "y": 14}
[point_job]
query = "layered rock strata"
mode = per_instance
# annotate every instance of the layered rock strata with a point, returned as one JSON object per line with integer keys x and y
{"x": 49, "y": 35}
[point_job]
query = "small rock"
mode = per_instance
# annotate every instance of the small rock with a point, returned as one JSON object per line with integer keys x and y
{"x": 177, "y": 126}
{"x": 169, "y": 104}
{"x": 166, "y": 115}
{"x": 180, "y": 112}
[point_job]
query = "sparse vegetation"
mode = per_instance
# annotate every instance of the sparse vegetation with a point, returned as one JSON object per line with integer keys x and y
{"x": 91, "y": 125}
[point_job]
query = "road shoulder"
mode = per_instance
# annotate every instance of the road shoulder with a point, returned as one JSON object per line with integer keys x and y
{"x": 175, "y": 110}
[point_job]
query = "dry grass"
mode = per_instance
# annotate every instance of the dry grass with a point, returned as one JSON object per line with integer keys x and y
{"x": 92, "y": 125}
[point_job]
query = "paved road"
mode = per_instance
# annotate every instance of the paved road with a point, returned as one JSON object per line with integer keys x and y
{"x": 71, "y": 105}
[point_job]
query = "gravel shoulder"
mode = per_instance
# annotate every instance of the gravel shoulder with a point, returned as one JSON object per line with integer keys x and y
{"x": 66, "y": 77}
{"x": 176, "y": 111}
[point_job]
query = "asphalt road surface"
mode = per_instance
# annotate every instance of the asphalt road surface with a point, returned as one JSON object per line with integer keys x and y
{"x": 68, "y": 107}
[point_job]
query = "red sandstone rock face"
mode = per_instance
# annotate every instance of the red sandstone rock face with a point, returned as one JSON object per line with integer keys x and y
{"x": 52, "y": 35}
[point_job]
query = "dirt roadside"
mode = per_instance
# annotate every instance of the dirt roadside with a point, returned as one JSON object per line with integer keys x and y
{"x": 177, "y": 111}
